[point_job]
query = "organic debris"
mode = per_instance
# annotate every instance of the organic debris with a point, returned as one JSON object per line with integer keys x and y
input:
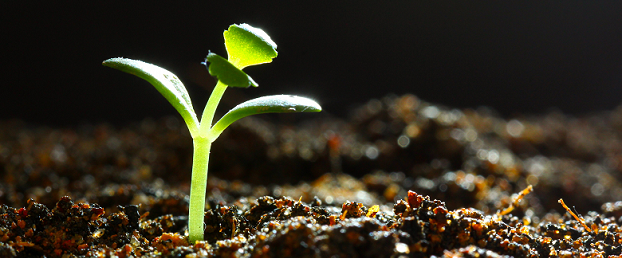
{"x": 516, "y": 200}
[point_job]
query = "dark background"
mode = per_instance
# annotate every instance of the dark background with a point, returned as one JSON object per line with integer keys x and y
{"x": 519, "y": 58}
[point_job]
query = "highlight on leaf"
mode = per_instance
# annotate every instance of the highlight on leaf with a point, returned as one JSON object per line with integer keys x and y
{"x": 266, "y": 104}
{"x": 247, "y": 45}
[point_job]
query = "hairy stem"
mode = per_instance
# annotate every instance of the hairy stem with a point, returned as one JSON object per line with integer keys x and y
{"x": 198, "y": 187}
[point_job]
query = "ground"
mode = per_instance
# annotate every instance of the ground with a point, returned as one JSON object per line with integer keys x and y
{"x": 400, "y": 178}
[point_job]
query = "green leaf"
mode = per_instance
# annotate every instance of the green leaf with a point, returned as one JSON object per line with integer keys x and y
{"x": 261, "y": 105}
{"x": 165, "y": 82}
{"x": 227, "y": 73}
{"x": 247, "y": 45}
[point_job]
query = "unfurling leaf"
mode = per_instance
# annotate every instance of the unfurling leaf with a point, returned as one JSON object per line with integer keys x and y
{"x": 227, "y": 73}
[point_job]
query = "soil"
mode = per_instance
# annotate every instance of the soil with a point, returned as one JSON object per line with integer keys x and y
{"x": 400, "y": 178}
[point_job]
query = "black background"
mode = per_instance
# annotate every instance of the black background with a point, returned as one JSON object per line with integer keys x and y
{"x": 515, "y": 57}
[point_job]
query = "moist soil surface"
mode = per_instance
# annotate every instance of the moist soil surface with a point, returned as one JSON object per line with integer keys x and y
{"x": 400, "y": 178}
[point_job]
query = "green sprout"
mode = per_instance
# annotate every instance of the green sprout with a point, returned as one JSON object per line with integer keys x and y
{"x": 245, "y": 46}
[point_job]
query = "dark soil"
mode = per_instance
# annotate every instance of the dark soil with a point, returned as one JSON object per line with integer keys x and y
{"x": 400, "y": 178}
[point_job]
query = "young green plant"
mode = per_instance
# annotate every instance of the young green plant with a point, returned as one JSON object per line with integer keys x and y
{"x": 245, "y": 46}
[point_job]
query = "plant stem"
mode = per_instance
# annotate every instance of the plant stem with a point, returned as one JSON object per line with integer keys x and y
{"x": 198, "y": 187}
{"x": 210, "y": 109}
{"x": 200, "y": 161}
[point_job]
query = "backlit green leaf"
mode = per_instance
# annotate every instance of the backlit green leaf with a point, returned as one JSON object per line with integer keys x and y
{"x": 266, "y": 104}
{"x": 227, "y": 73}
{"x": 247, "y": 45}
{"x": 165, "y": 82}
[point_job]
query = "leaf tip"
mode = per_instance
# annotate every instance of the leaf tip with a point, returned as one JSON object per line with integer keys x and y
{"x": 109, "y": 61}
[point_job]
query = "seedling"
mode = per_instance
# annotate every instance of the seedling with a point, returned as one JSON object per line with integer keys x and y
{"x": 245, "y": 46}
